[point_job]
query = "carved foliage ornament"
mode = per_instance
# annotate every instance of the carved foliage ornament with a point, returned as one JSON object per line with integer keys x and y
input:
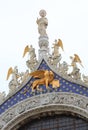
{"x": 41, "y": 103}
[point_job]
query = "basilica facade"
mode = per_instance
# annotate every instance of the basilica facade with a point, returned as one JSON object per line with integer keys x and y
{"x": 46, "y": 96}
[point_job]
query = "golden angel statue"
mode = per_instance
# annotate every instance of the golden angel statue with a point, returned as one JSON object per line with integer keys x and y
{"x": 26, "y": 49}
{"x": 58, "y": 44}
{"x": 45, "y": 77}
{"x": 32, "y": 61}
{"x": 15, "y": 75}
{"x": 12, "y": 71}
{"x": 75, "y": 59}
{"x": 76, "y": 71}
{"x": 30, "y": 50}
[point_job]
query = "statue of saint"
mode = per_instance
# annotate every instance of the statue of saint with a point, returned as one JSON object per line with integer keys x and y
{"x": 58, "y": 43}
{"x": 42, "y": 23}
{"x": 75, "y": 71}
{"x": 14, "y": 83}
{"x": 31, "y": 52}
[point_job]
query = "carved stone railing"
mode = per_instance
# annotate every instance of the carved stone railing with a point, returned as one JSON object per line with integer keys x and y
{"x": 56, "y": 101}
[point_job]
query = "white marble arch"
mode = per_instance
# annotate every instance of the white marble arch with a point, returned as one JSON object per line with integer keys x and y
{"x": 57, "y": 102}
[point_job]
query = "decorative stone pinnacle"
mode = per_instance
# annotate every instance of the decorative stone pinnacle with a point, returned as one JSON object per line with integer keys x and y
{"x": 43, "y": 38}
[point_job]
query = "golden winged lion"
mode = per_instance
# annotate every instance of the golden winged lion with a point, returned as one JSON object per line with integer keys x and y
{"x": 44, "y": 77}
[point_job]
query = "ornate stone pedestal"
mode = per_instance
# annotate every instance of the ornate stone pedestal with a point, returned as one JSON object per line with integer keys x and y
{"x": 43, "y": 44}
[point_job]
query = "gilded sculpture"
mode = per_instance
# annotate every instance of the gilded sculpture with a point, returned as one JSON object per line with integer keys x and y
{"x": 13, "y": 72}
{"x": 75, "y": 70}
{"x": 32, "y": 61}
{"x": 58, "y": 44}
{"x": 44, "y": 77}
{"x": 75, "y": 59}
{"x": 14, "y": 83}
{"x": 30, "y": 50}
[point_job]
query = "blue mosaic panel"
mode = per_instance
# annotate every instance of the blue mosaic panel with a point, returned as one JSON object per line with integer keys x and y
{"x": 26, "y": 91}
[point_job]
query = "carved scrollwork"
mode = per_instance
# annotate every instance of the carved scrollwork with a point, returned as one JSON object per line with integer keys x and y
{"x": 66, "y": 100}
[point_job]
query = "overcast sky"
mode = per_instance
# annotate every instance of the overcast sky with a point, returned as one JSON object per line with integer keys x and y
{"x": 67, "y": 20}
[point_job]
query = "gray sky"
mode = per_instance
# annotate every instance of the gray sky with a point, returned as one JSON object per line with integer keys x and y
{"x": 68, "y": 20}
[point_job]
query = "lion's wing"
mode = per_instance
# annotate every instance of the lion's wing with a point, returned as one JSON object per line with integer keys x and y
{"x": 38, "y": 74}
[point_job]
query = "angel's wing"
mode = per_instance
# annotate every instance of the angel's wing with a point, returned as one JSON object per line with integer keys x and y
{"x": 77, "y": 59}
{"x": 26, "y": 49}
{"x": 38, "y": 74}
{"x": 10, "y": 71}
{"x": 60, "y": 44}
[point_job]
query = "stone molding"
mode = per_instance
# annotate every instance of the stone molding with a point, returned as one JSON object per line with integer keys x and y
{"x": 56, "y": 101}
